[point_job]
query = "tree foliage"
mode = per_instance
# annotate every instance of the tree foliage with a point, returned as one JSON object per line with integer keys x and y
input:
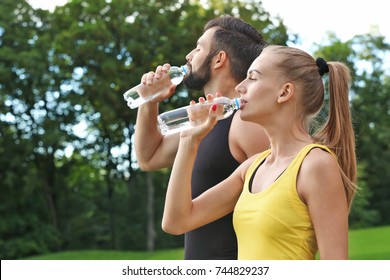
{"x": 68, "y": 173}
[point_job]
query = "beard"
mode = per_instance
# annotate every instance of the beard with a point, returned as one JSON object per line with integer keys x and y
{"x": 198, "y": 79}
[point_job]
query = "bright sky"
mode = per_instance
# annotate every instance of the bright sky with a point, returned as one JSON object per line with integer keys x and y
{"x": 311, "y": 19}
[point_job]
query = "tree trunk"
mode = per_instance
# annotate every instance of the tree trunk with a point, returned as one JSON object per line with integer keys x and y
{"x": 111, "y": 205}
{"x": 151, "y": 233}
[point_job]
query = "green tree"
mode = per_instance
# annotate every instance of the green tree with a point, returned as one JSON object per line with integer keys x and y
{"x": 33, "y": 120}
{"x": 372, "y": 108}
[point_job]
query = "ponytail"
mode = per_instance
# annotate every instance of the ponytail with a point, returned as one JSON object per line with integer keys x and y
{"x": 337, "y": 133}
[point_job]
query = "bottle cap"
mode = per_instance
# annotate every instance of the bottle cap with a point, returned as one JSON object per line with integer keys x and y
{"x": 237, "y": 102}
{"x": 184, "y": 68}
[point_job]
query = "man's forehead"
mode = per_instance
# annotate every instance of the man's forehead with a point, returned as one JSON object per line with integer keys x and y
{"x": 206, "y": 37}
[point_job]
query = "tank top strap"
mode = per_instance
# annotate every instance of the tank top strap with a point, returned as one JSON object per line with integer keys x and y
{"x": 305, "y": 150}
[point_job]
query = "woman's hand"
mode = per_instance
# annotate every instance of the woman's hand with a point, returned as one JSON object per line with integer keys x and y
{"x": 203, "y": 118}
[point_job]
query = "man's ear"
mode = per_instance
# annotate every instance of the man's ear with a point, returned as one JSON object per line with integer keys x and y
{"x": 287, "y": 92}
{"x": 220, "y": 59}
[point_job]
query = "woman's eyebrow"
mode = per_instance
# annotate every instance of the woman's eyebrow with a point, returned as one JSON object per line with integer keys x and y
{"x": 253, "y": 70}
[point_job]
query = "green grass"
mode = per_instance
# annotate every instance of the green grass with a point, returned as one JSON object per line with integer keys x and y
{"x": 173, "y": 254}
{"x": 364, "y": 244}
{"x": 370, "y": 244}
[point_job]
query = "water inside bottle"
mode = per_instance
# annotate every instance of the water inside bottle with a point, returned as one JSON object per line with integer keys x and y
{"x": 144, "y": 93}
{"x": 185, "y": 118}
{"x": 173, "y": 121}
{"x": 176, "y": 78}
{"x": 175, "y": 126}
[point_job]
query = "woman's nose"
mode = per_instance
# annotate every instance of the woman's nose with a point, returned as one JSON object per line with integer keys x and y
{"x": 240, "y": 88}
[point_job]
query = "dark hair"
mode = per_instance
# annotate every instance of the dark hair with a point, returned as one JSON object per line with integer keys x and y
{"x": 241, "y": 42}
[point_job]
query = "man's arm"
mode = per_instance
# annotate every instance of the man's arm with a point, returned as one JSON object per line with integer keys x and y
{"x": 153, "y": 150}
{"x": 246, "y": 139}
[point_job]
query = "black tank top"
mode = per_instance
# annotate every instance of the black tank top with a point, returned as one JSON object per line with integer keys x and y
{"x": 214, "y": 163}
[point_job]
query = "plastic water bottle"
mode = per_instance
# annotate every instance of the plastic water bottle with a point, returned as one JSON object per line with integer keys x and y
{"x": 141, "y": 93}
{"x": 187, "y": 117}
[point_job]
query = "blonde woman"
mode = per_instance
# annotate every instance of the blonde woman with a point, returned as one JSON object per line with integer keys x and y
{"x": 292, "y": 200}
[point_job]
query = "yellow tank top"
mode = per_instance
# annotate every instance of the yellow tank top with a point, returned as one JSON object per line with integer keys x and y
{"x": 274, "y": 224}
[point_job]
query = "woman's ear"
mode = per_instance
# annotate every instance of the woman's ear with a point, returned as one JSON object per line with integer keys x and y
{"x": 286, "y": 93}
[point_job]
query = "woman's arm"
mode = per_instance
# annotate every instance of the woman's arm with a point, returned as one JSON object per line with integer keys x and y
{"x": 181, "y": 213}
{"x": 320, "y": 185}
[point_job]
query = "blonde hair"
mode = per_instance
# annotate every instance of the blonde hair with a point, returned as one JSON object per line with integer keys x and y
{"x": 337, "y": 132}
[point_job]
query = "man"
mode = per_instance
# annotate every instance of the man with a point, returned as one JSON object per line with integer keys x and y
{"x": 219, "y": 62}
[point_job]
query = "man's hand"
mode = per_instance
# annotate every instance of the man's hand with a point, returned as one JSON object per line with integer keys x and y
{"x": 152, "y": 78}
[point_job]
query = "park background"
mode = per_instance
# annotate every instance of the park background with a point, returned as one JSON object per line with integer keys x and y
{"x": 71, "y": 187}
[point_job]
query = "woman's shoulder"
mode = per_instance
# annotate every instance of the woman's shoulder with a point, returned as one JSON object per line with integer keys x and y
{"x": 319, "y": 173}
{"x": 319, "y": 156}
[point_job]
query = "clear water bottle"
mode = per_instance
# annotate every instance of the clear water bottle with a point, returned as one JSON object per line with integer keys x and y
{"x": 141, "y": 93}
{"x": 189, "y": 116}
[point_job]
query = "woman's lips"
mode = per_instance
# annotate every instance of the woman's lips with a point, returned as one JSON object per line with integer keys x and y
{"x": 242, "y": 103}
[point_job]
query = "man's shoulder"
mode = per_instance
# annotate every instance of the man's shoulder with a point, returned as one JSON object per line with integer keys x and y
{"x": 245, "y": 128}
{"x": 246, "y": 138}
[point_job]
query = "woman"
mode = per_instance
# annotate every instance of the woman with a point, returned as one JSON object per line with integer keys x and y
{"x": 292, "y": 200}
